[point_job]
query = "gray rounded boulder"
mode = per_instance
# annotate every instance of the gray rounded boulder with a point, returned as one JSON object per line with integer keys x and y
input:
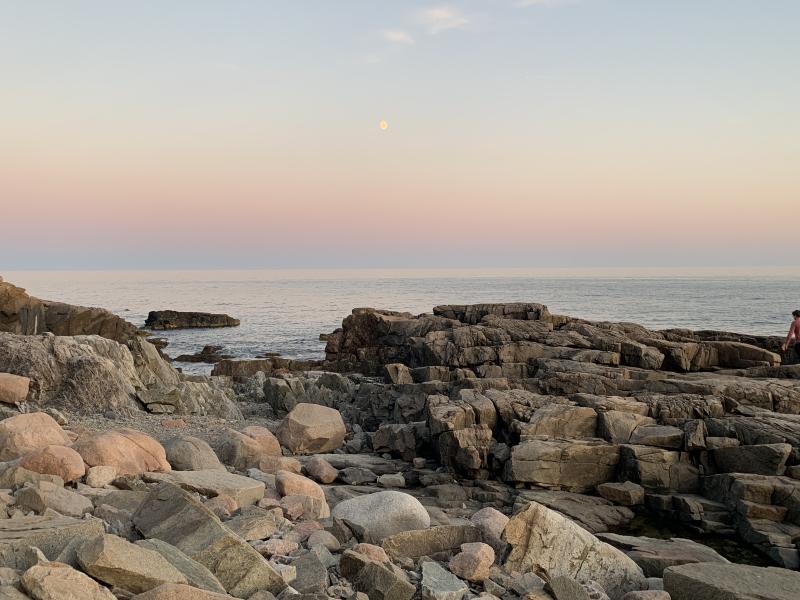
{"x": 382, "y": 514}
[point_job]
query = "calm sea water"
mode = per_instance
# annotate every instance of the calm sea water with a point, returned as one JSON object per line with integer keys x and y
{"x": 286, "y": 310}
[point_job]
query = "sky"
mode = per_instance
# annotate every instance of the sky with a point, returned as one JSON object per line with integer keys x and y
{"x": 521, "y": 133}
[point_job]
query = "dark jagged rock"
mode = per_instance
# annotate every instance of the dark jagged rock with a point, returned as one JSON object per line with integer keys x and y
{"x": 173, "y": 319}
{"x": 209, "y": 354}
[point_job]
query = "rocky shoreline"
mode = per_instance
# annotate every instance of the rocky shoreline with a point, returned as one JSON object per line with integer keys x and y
{"x": 494, "y": 451}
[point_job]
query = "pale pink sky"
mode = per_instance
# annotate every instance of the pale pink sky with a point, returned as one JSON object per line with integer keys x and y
{"x": 577, "y": 133}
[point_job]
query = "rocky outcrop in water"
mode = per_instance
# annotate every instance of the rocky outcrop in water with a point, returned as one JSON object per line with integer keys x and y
{"x": 173, "y": 319}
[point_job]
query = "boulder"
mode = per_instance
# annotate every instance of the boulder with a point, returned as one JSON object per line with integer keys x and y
{"x": 131, "y": 452}
{"x": 243, "y": 490}
{"x": 55, "y": 460}
{"x": 24, "y": 433}
{"x": 56, "y": 581}
{"x": 100, "y": 477}
{"x": 382, "y": 514}
{"x": 124, "y": 565}
{"x": 440, "y": 584}
{"x": 312, "y": 429}
{"x": 45, "y": 494}
{"x": 245, "y": 449}
{"x": 542, "y": 540}
{"x": 716, "y": 581}
{"x": 187, "y": 453}
{"x": 382, "y": 582}
{"x": 52, "y": 534}
{"x": 321, "y": 470}
{"x": 271, "y": 465}
{"x": 491, "y": 523}
{"x": 473, "y": 562}
{"x": 13, "y": 388}
{"x": 173, "y": 319}
{"x": 174, "y": 516}
{"x": 291, "y": 484}
{"x": 432, "y": 540}
{"x": 179, "y": 591}
{"x": 626, "y": 493}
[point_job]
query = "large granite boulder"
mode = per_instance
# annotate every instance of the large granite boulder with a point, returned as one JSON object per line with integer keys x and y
{"x": 188, "y": 453}
{"x": 25, "y": 433}
{"x": 543, "y": 541}
{"x": 176, "y": 517}
{"x": 312, "y": 429}
{"x": 173, "y": 319}
{"x": 13, "y": 388}
{"x": 55, "y": 580}
{"x": 654, "y": 555}
{"x": 382, "y": 514}
{"x": 124, "y": 565}
{"x": 246, "y": 449}
{"x": 131, "y": 452}
{"x": 55, "y": 460}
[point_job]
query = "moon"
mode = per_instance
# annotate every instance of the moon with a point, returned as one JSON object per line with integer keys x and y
{"x": 383, "y": 125}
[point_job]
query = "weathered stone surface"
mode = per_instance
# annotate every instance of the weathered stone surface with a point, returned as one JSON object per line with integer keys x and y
{"x": 473, "y": 562}
{"x": 25, "y": 433}
{"x": 55, "y": 460}
{"x": 13, "y": 388}
{"x": 654, "y": 555}
{"x": 383, "y": 514}
{"x": 617, "y": 426}
{"x": 178, "y": 591}
{"x": 172, "y": 515}
{"x": 590, "y": 512}
{"x": 714, "y": 581}
{"x": 273, "y": 464}
{"x": 57, "y": 581}
{"x": 661, "y": 436}
{"x": 658, "y": 469}
{"x": 321, "y": 470}
{"x": 291, "y": 484}
{"x": 440, "y": 584}
{"x": 626, "y": 493}
{"x": 45, "y": 494}
{"x": 491, "y": 523}
{"x": 573, "y": 465}
{"x": 51, "y": 534}
{"x": 131, "y": 452}
{"x": 541, "y": 539}
{"x": 312, "y": 429}
{"x": 763, "y": 459}
{"x": 567, "y": 588}
{"x": 252, "y": 527}
{"x": 243, "y": 490}
{"x": 430, "y": 541}
{"x": 382, "y": 582}
{"x": 312, "y": 576}
{"x": 119, "y": 563}
{"x": 187, "y": 453}
{"x": 173, "y": 319}
{"x": 559, "y": 420}
{"x": 196, "y": 575}
{"x": 247, "y": 448}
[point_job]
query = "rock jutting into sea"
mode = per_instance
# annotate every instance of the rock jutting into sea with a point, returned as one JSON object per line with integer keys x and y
{"x": 173, "y": 319}
{"x": 490, "y": 451}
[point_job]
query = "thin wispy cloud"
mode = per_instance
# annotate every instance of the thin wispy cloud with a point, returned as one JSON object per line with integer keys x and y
{"x": 443, "y": 18}
{"x": 397, "y": 36}
{"x": 525, "y": 3}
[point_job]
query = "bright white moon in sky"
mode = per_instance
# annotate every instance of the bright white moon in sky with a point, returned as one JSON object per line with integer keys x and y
{"x": 383, "y": 125}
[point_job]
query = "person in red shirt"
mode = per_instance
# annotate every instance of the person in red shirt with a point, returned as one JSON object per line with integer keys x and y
{"x": 794, "y": 332}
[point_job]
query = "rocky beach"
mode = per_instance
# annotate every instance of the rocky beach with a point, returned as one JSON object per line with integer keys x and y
{"x": 492, "y": 451}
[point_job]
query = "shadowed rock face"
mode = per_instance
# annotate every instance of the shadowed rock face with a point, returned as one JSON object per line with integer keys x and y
{"x": 173, "y": 319}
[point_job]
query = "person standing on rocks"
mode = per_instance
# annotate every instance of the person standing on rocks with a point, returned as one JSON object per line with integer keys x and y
{"x": 794, "y": 332}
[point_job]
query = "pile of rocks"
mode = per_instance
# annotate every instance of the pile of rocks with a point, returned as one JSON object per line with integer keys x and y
{"x": 492, "y": 451}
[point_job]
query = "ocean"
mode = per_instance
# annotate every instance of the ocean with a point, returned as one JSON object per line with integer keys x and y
{"x": 285, "y": 310}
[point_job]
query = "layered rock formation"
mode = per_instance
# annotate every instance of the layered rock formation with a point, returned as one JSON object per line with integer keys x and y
{"x": 491, "y": 451}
